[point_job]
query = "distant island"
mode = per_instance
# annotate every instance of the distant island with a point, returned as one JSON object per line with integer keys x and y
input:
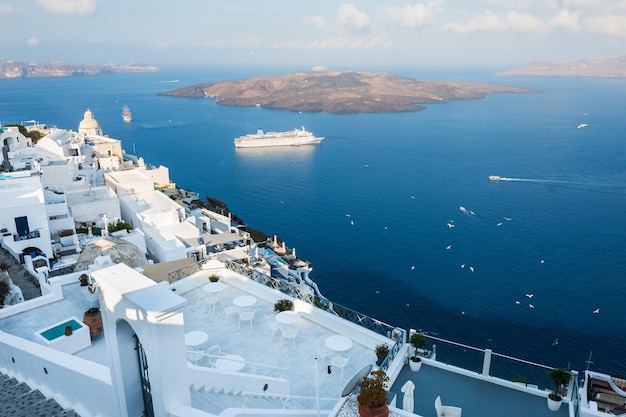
{"x": 16, "y": 69}
{"x": 340, "y": 92}
{"x": 603, "y": 67}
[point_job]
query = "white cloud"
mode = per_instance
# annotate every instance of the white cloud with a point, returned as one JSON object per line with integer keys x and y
{"x": 352, "y": 18}
{"x": 317, "y": 21}
{"x": 524, "y": 23}
{"x": 411, "y": 16}
{"x": 81, "y": 7}
{"x": 485, "y": 22}
{"x": 32, "y": 42}
{"x": 606, "y": 25}
{"x": 566, "y": 19}
{"x": 6, "y": 10}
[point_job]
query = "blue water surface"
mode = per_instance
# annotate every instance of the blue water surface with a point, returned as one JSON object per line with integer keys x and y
{"x": 371, "y": 206}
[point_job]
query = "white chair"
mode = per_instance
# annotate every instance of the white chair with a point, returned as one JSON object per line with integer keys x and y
{"x": 229, "y": 310}
{"x": 245, "y": 316}
{"x": 288, "y": 332}
{"x": 321, "y": 350}
{"x": 211, "y": 301}
{"x": 446, "y": 410}
{"x": 194, "y": 355}
{"x": 340, "y": 362}
{"x": 272, "y": 324}
{"x": 212, "y": 354}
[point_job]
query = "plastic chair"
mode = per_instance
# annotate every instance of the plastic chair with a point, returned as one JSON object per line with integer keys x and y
{"x": 245, "y": 316}
{"x": 211, "y": 301}
{"x": 322, "y": 351}
{"x": 272, "y": 324}
{"x": 230, "y": 310}
{"x": 288, "y": 332}
{"x": 339, "y": 362}
{"x": 212, "y": 352}
{"x": 446, "y": 410}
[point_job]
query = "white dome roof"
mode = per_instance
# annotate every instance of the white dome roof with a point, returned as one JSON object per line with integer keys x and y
{"x": 88, "y": 122}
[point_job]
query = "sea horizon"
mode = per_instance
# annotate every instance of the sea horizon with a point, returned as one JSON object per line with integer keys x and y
{"x": 376, "y": 205}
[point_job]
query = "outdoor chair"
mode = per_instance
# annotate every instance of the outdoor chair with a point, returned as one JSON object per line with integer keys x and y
{"x": 245, "y": 316}
{"x": 211, "y": 301}
{"x": 339, "y": 362}
{"x": 446, "y": 410}
{"x": 322, "y": 351}
{"x": 272, "y": 324}
{"x": 229, "y": 310}
{"x": 212, "y": 353}
{"x": 288, "y": 332}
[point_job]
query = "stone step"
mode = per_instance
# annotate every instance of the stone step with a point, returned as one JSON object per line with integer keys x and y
{"x": 19, "y": 400}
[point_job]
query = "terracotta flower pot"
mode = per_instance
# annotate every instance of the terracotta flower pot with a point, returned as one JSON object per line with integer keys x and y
{"x": 68, "y": 330}
{"x": 382, "y": 411}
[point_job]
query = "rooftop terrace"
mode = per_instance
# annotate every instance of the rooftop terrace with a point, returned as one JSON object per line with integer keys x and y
{"x": 304, "y": 363}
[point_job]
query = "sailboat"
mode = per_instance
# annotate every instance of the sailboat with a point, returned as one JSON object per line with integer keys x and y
{"x": 126, "y": 114}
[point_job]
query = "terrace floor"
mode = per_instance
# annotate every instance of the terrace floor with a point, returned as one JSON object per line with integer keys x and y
{"x": 308, "y": 377}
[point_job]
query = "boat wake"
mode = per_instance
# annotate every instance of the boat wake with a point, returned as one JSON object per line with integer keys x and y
{"x": 585, "y": 186}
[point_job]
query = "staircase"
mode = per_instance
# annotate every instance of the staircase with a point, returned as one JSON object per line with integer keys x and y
{"x": 19, "y": 400}
{"x": 216, "y": 401}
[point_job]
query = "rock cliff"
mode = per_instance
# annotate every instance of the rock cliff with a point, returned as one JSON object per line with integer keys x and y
{"x": 340, "y": 92}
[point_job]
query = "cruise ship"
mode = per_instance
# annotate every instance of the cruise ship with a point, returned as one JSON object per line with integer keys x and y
{"x": 121, "y": 301}
{"x": 261, "y": 139}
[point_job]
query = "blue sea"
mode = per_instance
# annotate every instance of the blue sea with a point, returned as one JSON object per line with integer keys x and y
{"x": 372, "y": 206}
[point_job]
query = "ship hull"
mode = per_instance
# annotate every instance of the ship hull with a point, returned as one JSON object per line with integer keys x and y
{"x": 271, "y": 139}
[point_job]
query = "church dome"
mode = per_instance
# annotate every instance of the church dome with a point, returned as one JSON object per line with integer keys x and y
{"x": 89, "y": 125}
{"x": 119, "y": 250}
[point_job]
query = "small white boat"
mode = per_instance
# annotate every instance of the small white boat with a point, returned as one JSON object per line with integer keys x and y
{"x": 126, "y": 114}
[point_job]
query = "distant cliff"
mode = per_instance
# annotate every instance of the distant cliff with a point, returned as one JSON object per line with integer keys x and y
{"x": 603, "y": 67}
{"x": 340, "y": 92}
{"x": 16, "y": 69}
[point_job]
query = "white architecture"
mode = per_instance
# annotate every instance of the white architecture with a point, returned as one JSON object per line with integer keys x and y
{"x": 89, "y": 125}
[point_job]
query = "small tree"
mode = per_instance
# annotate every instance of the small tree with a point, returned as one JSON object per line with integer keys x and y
{"x": 560, "y": 377}
{"x": 418, "y": 341}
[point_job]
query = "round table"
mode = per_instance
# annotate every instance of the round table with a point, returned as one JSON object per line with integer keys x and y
{"x": 244, "y": 301}
{"x": 195, "y": 338}
{"x": 287, "y": 317}
{"x": 231, "y": 363}
{"x": 213, "y": 287}
{"x": 338, "y": 343}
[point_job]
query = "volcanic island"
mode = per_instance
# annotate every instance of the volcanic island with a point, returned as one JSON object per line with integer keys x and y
{"x": 340, "y": 92}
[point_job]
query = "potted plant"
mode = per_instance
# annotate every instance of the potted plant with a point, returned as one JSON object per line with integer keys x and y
{"x": 214, "y": 277}
{"x": 283, "y": 305}
{"x": 381, "y": 353}
{"x": 84, "y": 280}
{"x": 373, "y": 397}
{"x": 418, "y": 341}
{"x": 560, "y": 377}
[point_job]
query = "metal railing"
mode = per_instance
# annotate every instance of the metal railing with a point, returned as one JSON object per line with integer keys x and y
{"x": 345, "y": 313}
{"x": 255, "y": 368}
{"x": 185, "y": 271}
{"x": 487, "y": 362}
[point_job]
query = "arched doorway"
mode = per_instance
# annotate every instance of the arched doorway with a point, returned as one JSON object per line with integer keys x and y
{"x": 134, "y": 367}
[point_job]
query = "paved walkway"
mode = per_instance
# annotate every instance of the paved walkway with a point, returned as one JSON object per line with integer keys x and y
{"x": 20, "y": 276}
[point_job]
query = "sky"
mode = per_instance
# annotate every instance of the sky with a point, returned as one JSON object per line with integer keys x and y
{"x": 359, "y": 35}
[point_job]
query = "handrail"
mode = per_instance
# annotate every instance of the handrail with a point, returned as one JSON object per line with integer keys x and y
{"x": 254, "y": 365}
{"x": 346, "y": 313}
{"x": 185, "y": 271}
